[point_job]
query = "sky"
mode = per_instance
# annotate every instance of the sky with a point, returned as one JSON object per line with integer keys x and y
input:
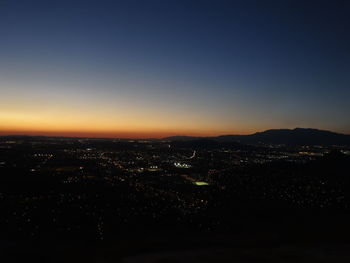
{"x": 159, "y": 68}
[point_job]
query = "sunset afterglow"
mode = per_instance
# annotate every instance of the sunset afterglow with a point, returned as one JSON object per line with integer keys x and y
{"x": 99, "y": 72}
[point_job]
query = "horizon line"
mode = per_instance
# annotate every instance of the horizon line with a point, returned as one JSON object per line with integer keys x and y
{"x": 101, "y": 136}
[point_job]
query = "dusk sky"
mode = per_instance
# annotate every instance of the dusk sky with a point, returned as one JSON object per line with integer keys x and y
{"x": 158, "y": 68}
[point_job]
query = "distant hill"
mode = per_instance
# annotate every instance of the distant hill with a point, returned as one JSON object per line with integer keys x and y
{"x": 297, "y": 136}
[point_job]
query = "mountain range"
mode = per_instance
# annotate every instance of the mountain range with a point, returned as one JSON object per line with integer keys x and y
{"x": 297, "y": 136}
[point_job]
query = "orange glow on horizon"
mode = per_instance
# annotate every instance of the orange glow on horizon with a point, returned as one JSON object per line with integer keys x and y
{"x": 115, "y": 134}
{"x": 76, "y": 122}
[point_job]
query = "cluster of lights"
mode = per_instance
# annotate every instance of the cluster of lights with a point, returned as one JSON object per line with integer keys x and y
{"x": 182, "y": 165}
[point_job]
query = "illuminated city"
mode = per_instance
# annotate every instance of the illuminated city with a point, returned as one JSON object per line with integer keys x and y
{"x": 101, "y": 189}
{"x": 167, "y": 131}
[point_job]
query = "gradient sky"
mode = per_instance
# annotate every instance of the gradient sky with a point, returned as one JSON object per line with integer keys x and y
{"x": 157, "y": 68}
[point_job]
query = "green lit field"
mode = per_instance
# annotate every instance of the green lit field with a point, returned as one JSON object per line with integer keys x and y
{"x": 200, "y": 183}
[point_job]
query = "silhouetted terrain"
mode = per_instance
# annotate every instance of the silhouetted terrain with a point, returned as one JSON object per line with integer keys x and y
{"x": 130, "y": 197}
{"x": 298, "y": 136}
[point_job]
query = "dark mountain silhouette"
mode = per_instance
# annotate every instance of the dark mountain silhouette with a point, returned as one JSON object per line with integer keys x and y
{"x": 297, "y": 136}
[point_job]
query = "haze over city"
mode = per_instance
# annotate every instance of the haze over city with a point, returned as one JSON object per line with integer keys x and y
{"x": 160, "y": 68}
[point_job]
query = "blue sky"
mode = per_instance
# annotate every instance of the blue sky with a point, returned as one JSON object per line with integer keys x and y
{"x": 174, "y": 67}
